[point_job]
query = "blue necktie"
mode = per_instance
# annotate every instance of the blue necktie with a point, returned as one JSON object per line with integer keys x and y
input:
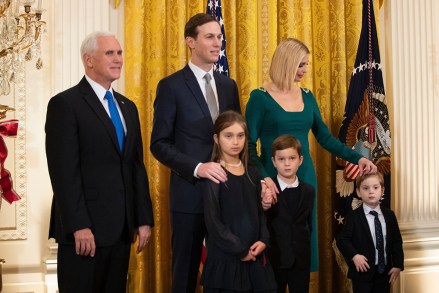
{"x": 379, "y": 242}
{"x": 115, "y": 118}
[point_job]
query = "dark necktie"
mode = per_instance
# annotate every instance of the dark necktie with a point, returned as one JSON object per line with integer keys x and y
{"x": 379, "y": 242}
{"x": 115, "y": 118}
{"x": 210, "y": 98}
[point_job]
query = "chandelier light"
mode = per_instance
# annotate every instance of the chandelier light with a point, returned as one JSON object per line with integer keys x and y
{"x": 21, "y": 28}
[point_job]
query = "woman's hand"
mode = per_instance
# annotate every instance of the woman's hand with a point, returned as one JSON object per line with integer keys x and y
{"x": 267, "y": 197}
{"x": 366, "y": 166}
{"x": 272, "y": 186}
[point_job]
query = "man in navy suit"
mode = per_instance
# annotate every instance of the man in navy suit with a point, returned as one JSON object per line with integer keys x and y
{"x": 182, "y": 139}
{"x": 101, "y": 197}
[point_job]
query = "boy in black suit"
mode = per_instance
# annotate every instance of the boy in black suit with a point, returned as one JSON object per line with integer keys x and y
{"x": 370, "y": 240}
{"x": 289, "y": 219}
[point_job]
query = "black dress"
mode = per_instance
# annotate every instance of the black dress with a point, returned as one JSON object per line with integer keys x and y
{"x": 235, "y": 221}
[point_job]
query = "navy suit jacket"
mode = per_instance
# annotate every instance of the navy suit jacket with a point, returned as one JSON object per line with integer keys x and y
{"x": 290, "y": 229}
{"x": 182, "y": 133}
{"x": 95, "y": 185}
{"x": 356, "y": 238}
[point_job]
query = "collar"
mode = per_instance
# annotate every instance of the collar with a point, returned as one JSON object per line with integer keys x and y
{"x": 367, "y": 209}
{"x": 98, "y": 89}
{"x": 283, "y": 184}
{"x": 199, "y": 73}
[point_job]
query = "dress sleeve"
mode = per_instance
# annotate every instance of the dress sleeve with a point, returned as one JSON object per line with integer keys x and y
{"x": 254, "y": 114}
{"x": 219, "y": 233}
{"x": 326, "y": 139}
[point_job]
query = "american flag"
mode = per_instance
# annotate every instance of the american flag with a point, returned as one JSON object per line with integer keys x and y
{"x": 214, "y": 8}
{"x": 366, "y": 124}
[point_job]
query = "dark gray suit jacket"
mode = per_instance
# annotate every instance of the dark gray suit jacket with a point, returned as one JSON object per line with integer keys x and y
{"x": 95, "y": 185}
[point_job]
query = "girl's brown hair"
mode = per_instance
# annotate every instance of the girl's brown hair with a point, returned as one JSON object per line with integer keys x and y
{"x": 225, "y": 120}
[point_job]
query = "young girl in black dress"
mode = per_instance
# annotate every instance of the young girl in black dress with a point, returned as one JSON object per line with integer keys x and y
{"x": 237, "y": 234}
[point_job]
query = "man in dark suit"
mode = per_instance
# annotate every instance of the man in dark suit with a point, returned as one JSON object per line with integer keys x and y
{"x": 182, "y": 139}
{"x": 359, "y": 242}
{"x": 94, "y": 152}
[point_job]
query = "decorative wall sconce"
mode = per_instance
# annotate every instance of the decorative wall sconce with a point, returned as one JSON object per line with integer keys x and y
{"x": 21, "y": 28}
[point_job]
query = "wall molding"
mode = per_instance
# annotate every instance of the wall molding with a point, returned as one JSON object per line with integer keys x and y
{"x": 19, "y": 230}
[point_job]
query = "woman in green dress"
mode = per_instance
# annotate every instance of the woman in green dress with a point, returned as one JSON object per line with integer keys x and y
{"x": 282, "y": 107}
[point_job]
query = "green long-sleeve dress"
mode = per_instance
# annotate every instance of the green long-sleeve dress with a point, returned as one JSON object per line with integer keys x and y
{"x": 266, "y": 120}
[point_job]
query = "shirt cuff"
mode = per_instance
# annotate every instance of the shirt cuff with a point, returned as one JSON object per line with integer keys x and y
{"x": 196, "y": 171}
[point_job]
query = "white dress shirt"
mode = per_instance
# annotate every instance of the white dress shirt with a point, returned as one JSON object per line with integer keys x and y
{"x": 199, "y": 75}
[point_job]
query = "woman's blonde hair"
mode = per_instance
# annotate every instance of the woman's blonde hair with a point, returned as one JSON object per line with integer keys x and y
{"x": 285, "y": 62}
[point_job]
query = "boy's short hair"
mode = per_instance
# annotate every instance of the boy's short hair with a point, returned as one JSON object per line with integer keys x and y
{"x": 286, "y": 141}
{"x": 363, "y": 177}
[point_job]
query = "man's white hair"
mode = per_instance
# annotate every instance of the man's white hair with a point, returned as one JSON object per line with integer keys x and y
{"x": 89, "y": 44}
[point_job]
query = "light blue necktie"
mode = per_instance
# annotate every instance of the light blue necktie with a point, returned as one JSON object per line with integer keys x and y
{"x": 115, "y": 118}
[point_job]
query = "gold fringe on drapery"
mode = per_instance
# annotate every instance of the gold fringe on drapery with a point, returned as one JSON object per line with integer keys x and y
{"x": 155, "y": 48}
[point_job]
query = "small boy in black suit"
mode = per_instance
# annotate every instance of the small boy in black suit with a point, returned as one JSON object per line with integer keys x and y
{"x": 289, "y": 219}
{"x": 370, "y": 240}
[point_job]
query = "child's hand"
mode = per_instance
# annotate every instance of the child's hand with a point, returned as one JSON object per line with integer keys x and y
{"x": 267, "y": 197}
{"x": 257, "y": 248}
{"x": 248, "y": 257}
{"x": 394, "y": 274}
{"x": 360, "y": 262}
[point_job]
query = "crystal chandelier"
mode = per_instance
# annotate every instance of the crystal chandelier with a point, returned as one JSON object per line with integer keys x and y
{"x": 20, "y": 38}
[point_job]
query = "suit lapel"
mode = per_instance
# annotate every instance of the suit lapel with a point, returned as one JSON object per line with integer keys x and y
{"x": 219, "y": 88}
{"x": 194, "y": 87}
{"x": 364, "y": 223}
{"x": 288, "y": 217}
{"x": 94, "y": 103}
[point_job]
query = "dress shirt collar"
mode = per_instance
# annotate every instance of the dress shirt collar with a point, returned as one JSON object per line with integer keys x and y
{"x": 367, "y": 209}
{"x": 199, "y": 73}
{"x": 283, "y": 184}
{"x": 98, "y": 89}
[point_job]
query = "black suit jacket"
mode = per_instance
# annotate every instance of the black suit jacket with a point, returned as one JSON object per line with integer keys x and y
{"x": 182, "y": 133}
{"x": 290, "y": 229}
{"x": 356, "y": 238}
{"x": 95, "y": 185}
